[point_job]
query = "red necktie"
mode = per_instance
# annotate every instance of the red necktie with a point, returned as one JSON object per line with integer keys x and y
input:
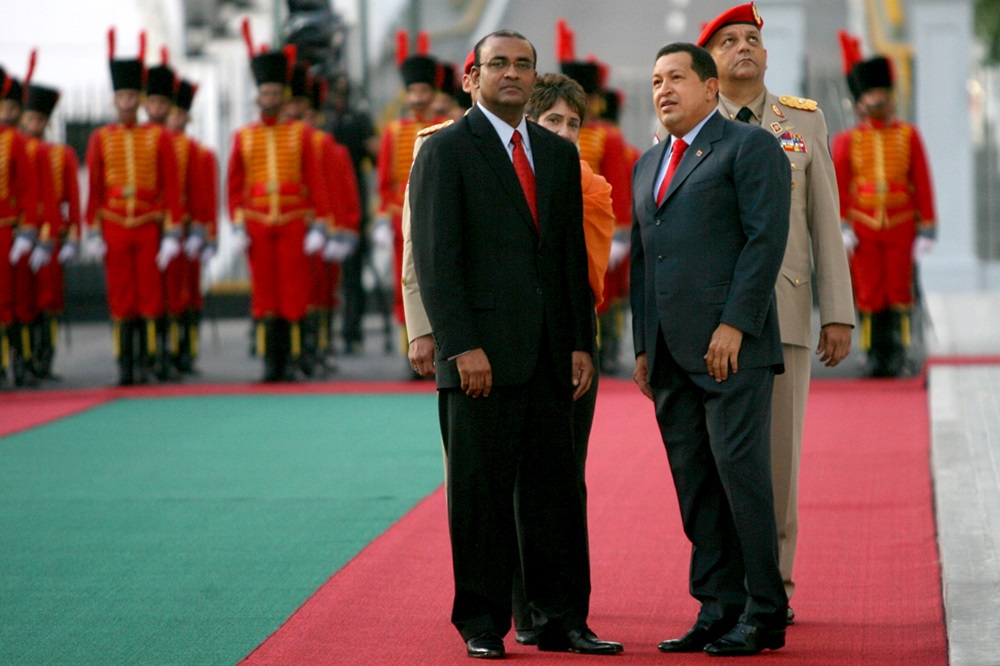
{"x": 525, "y": 175}
{"x": 675, "y": 157}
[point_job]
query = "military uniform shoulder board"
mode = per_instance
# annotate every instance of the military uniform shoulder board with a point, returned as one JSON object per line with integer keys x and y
{"x": 800, "y": 103}
{"x": 434, "y": 128}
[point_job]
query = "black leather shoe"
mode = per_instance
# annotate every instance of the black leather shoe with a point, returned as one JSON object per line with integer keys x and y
{"x": 485, "y": 646}
{"x": 790, "y": 616}
{"x": 580, "y": 641}
{"x": 700, "y": 635}
{"x": 746, "y": 640}
{"x": 526, "y": 636}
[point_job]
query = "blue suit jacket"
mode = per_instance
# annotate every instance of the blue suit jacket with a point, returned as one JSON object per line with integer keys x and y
{"x": 711, "y": 252}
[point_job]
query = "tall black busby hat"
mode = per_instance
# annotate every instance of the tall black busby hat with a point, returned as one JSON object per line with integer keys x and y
{"x": 161, "y": 79}
{"x": 127, "y": 74}
{"x": 41, "y": 99}
{"x": 587, "y": 74}
{"x": 418, "y": 68}
{"x": 185, "y": 94}
{"x": 301, "y": 81}
{"x": 867, "y": 74}
{"x": 269, "y": 66}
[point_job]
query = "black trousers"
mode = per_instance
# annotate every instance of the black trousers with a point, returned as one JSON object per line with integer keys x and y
{"x": 717, "y": 438}
{"x": 513, "y": 492}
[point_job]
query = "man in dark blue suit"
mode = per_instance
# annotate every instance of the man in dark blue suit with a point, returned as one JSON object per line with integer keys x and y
{"x": 497, "y": 230}
{"x": 709, "y": 226}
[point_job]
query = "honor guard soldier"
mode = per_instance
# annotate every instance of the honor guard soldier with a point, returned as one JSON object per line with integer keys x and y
{"x": 133, "y": 201}
{"x": 345, "y": 221}
{"x": 19, "y": 220}
{"x": 603, "y": 147}
{"x": 887, "y": 209}
{"x": 59, "y": 237}
{"x": 814, "y": 257}
{"x": 199, "y": 168}
{"x": 275, "y": 190}
{"x": 395, "y": 154}
{"x": 161, "y": 89}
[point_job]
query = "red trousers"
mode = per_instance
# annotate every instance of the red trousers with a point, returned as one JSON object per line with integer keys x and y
{"x": 882, "y": 267}
{"x": 17, "y": 284}
{"x": 135, "y": 285}
{"x": 176, "y": 283}
{"x": 279, "y": 270}
{"x": 50, "y": 284}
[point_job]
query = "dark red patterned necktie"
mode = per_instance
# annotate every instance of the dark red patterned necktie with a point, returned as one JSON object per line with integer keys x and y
{"x": 675, "y": 157}
{"x": 525, "y": 175}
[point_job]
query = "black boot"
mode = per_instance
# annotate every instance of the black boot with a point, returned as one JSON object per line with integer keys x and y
{"x": 267, "y": 348}
{"x": 44, "y": 333}
{"x": 4, "y": 356}
{"x": 309, "y": 336}
{"x": 899, "y": 342}
{"x": 145, "y": 351}
{"x": 20, "y": 345}
{"x": 187, "y": 342}
{"x": 124, "y": 333}
{"x": 880, "y": 351}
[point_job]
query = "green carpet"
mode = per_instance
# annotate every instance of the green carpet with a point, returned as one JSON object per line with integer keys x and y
{"x": 185, "y": 530}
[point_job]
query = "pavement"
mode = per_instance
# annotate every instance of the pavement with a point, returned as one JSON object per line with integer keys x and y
{"x": 957, "y": 335}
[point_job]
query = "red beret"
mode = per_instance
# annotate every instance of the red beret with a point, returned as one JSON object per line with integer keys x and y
{"x": 740, "y": 14}
{"x": 470, "y": 60}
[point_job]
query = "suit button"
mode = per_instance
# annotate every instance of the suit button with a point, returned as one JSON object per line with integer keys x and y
{"x": 538, "y": 290}
{"x": 659, "y": 257}
{"x": 658, "y": 222}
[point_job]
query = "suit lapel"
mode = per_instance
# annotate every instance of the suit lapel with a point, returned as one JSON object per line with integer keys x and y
{"x": 697, "y": 152}
{"x": 543, "y": 177}
{"x": 495, "y": 154}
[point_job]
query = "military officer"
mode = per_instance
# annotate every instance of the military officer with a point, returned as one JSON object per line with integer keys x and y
{"x": 814, "y": 246}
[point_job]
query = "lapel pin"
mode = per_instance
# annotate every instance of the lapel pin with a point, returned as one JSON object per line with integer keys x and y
{"x": 698, "y": 154}
{"x": 777, "y": 111}
{"x": 775, "y": 127}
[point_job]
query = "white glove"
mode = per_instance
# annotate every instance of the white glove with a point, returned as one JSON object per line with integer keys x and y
{"x": 22, "y": 245}
{"x": 850, "y": 239}
{"x": 97, "y": 247}
{"x": 922, "y": 246}
{"x": 40, "y": 256}
{"x": 192, "y": 246}
{"x": 207, "y": 254}
{"x": 619, "y": 250}
{"x": 314, "y": 241}
{"x": 170, "y": 247}
{"x": 339, "y": 248}
{"x": 382, "y": 234}
{"x": 67, "y": 252}
{"x": 241, "y": 241}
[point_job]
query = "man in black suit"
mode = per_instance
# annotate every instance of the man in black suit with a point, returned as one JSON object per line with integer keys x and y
{"x": 497, "y": 231}
{"x": 706, "y": 248}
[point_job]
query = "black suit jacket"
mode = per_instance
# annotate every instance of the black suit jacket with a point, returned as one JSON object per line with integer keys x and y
{"x": 487, "y": 277}
{"x": 711, "y": 252}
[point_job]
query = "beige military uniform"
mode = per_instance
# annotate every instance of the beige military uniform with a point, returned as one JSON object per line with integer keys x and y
{"x": 815, "y": 246}
{"x": 417, "y": 324}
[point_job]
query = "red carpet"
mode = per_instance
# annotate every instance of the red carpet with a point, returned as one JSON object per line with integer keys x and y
{"x": 869, "y": 581}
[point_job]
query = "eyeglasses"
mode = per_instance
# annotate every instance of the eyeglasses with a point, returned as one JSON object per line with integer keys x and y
{"x": 503, "y": 64}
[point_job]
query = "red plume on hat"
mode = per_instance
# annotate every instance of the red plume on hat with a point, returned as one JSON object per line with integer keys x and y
{"x": 247, "y": 37}
{"x": 565, "y": 42}
{"x": 32, "y": 59}
{"x": 402, "y": 47}
{"x": 850, "y": 50}
{"x": 423, "y": 43}
{"x": 291, "y": 55}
